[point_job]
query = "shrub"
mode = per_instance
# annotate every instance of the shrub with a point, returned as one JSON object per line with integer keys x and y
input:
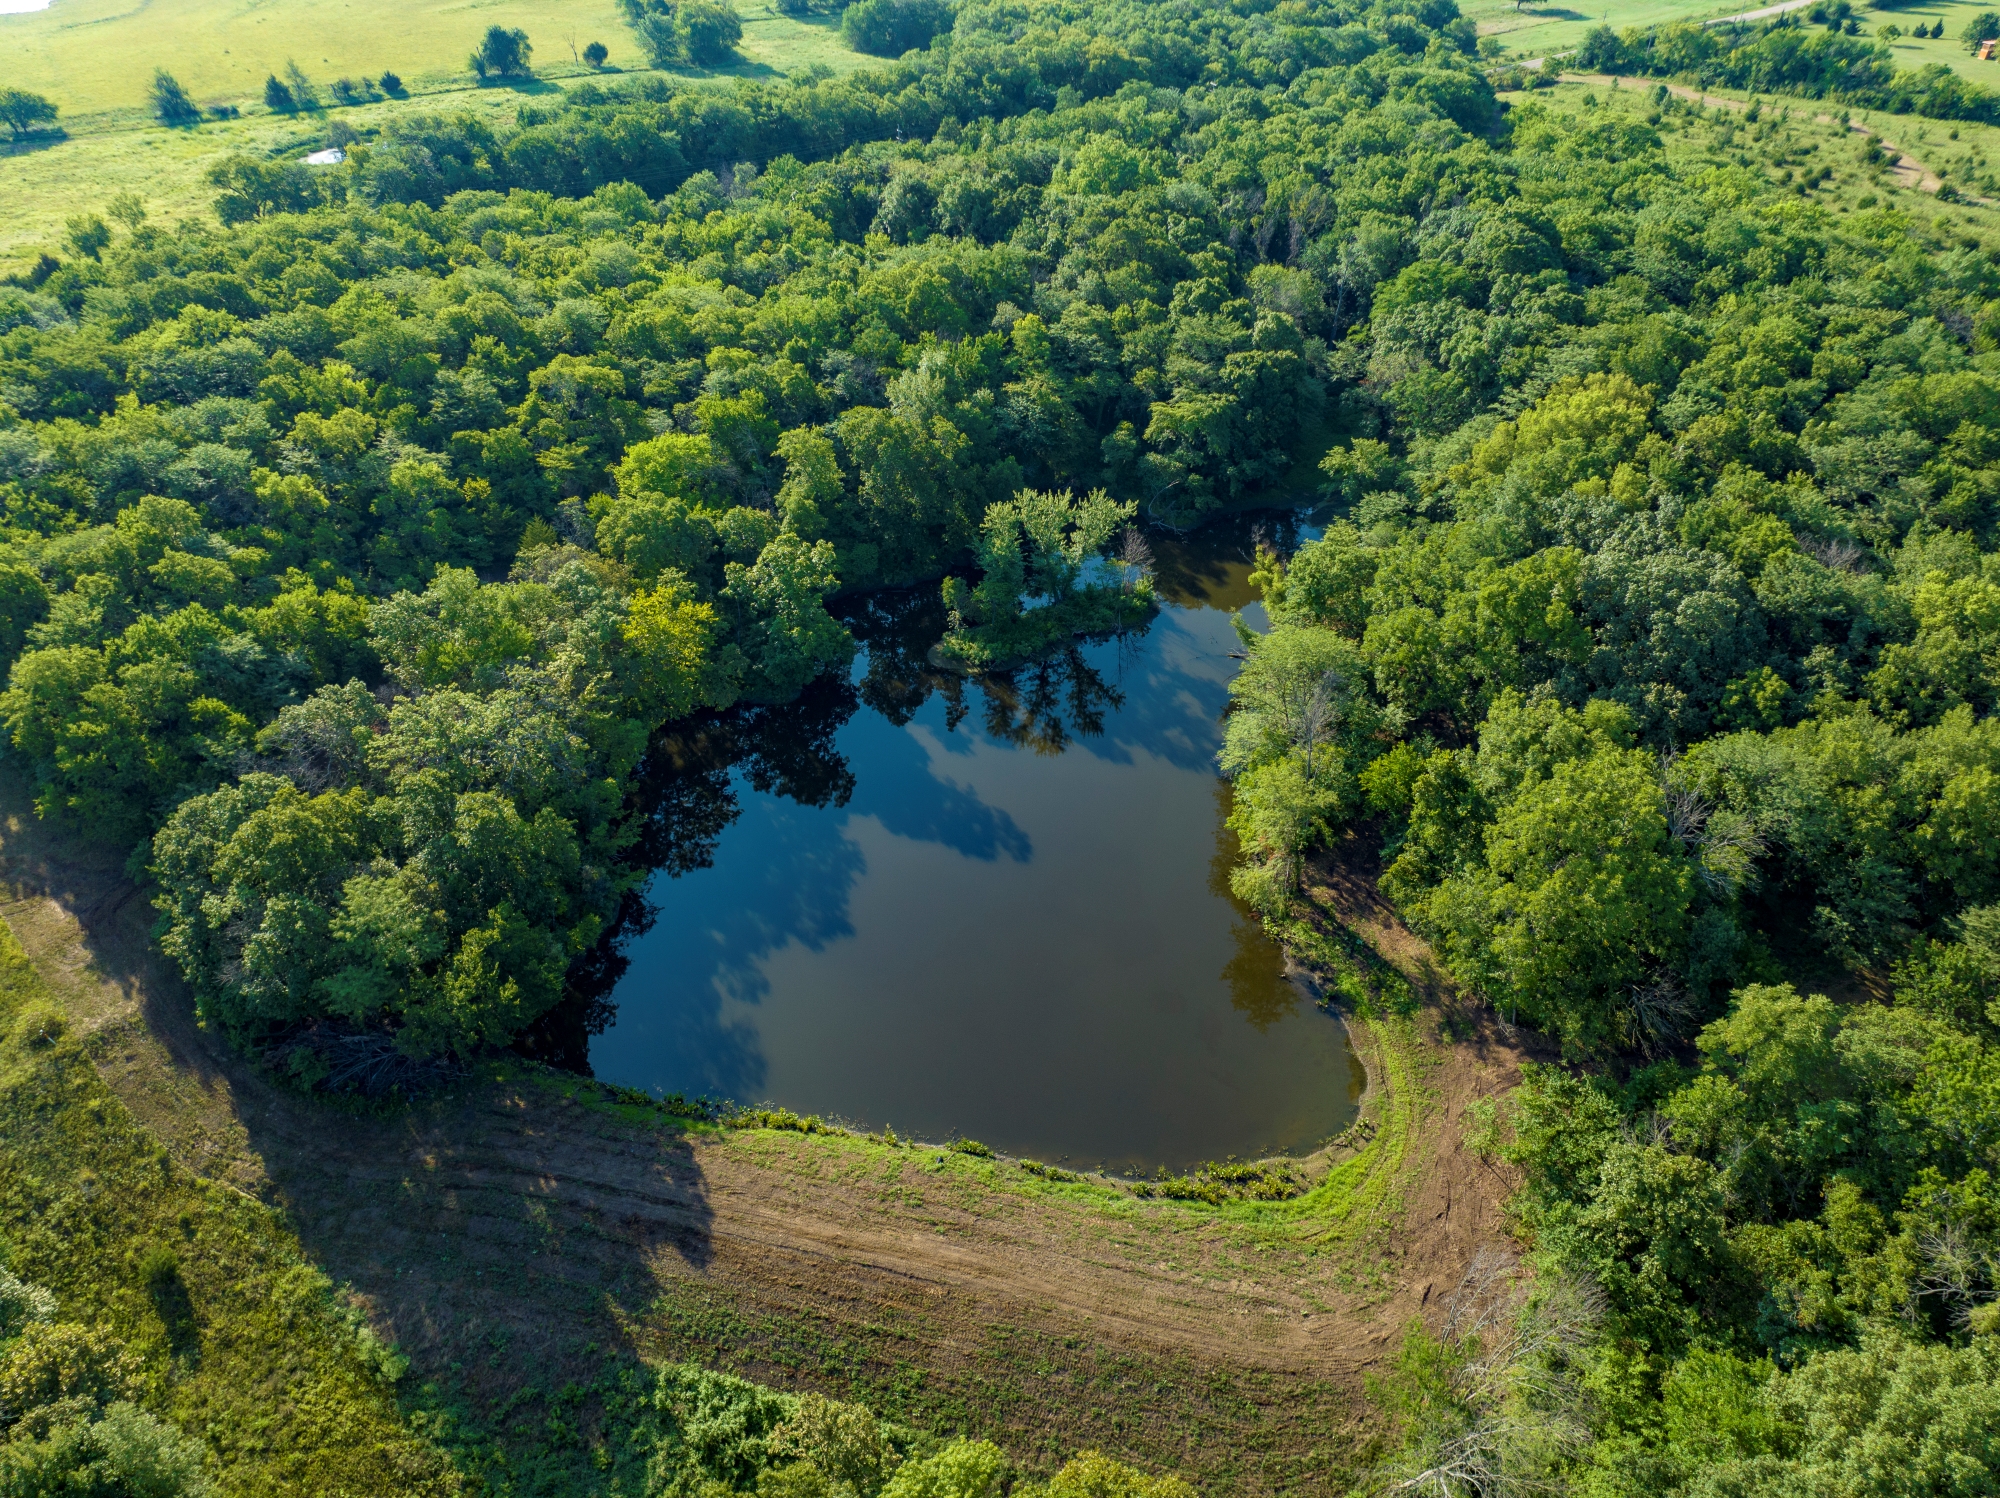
{"x": 889, "y": 28}
{"x": 594, "y": 54}
{"x": 707, "y": 34}
{"x": 158, "y": 1267}
{"x": 964, "y": 1469}
{"x": 125, "y": 1452}
{"x": 171, "y": 103}
{"x": 53, "y": 1361}
{"x": 22, "y": 1304}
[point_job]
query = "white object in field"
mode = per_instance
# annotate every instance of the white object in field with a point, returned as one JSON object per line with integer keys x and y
{"x": 332, "y": 156}
{"x": 21, "y": 7}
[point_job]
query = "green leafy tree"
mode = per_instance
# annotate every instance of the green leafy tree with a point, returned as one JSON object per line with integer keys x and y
{"x": 786, "y": 635}
{"x": 24, "y": 112}
{"x": 889, "y": 28}
{"x": 87, "y": 235}
{"x": 503, "y": 53}
{"x": 305, "y": 94}
{"x": 1583, "y": 891}
{"x": 707, "y": 34}
{"x": 171, "y": 104}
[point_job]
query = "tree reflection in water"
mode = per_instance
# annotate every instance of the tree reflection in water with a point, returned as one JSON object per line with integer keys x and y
{"x": 1257, "y": 959}
{"x": 682, "y": 799}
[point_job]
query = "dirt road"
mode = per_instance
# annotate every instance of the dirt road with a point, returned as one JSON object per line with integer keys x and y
{"x": 1908, "y": 171}
{"x": 510, "y": 1236}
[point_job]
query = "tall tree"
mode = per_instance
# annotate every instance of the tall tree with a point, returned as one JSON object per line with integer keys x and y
{"x": 23, "y": 111}
{"x": 171, "y": 103}
{"x": 503, "y": 54}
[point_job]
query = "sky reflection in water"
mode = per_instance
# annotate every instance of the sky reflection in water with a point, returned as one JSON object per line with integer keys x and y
{"x": 1011, "y": 929}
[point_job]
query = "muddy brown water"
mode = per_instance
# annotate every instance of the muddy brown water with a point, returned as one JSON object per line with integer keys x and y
{"x": 993, "y": 910}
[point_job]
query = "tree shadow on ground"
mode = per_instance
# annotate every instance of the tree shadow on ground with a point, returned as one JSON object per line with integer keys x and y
{"x": 34, "y": 140}
{"x": 517, "y": 1208}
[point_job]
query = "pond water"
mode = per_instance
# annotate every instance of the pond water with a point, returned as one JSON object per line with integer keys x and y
{"x": 992, "y": 909}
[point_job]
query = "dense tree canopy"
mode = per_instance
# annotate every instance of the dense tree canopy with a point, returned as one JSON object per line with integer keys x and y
{"x": 358, "y": 545}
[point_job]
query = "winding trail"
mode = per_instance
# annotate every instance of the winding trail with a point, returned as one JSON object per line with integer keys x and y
{"x": 1907, "y": 169}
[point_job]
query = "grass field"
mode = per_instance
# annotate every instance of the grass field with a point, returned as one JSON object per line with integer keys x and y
{"x": 1790, "y": 138}
{"x": 249, "y": 1347}
{"x": 1948, "y": 49}
{"x": 96, "y": 60}
{"x": 1530, "y": 30}
{"x": 97, "y": 56}
{"x": 1537, "y": 30}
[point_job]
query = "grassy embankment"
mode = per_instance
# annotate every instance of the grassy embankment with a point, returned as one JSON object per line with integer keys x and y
{"x": 248, "y": 1347}
{"x": 96, "y": 61}
{"x": 487, "y": 1230}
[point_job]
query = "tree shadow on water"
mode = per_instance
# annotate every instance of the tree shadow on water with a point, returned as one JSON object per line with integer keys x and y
{"x": 681, "y": 802}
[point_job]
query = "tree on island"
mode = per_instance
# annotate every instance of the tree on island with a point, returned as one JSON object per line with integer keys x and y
{"x": 1035, "y": 555}
{"x": 503, "y": 54}
{"x": 24, "y": 111}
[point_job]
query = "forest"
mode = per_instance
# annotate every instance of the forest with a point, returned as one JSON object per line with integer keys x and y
{"x": 360, "y": 544}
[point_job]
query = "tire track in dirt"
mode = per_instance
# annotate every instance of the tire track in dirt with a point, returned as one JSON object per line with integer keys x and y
{"x": 508, "y": 1236}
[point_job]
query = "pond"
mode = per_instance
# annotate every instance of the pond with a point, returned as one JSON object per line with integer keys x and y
{"x": 993, "y": 909}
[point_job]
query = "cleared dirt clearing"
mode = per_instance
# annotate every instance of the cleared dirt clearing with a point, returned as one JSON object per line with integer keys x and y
{"x": 511, "y": 1235}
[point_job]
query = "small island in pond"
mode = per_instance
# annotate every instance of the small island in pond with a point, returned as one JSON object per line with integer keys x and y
{"x": 1044, "y": 580}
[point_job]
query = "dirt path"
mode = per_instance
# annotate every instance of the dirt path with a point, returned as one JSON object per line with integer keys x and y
{"x": 1908, "y": 171}
{"x": 508, "y": 1235}
{"x": 1758, "y": 15}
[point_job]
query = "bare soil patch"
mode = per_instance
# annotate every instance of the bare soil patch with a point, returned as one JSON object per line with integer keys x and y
{"x": 509, "y": 1236}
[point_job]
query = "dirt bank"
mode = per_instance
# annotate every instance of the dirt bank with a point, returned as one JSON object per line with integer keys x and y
{"x": 511, "y": 1235}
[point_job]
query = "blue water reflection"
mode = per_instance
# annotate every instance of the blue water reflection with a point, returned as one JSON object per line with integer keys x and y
{"x": 1011, "y": 926}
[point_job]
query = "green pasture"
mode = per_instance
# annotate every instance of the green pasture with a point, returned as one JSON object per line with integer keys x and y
{"x": 1528, "y": 29}
{"x": 46, "y": 182}
{"x": 1535, "y": 30}
{"x": 96, "y": 60}
{"x": 98, "y": 56}
{"x": 1948, "y": 49}
{"x": 92, "y": 56}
